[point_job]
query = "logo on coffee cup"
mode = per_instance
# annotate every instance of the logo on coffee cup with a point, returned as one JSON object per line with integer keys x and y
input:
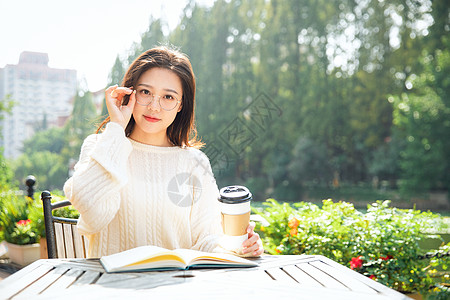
{"x": 184, "y": 189}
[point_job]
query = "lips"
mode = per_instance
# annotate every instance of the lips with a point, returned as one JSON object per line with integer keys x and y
{"x": 151, "y": 119}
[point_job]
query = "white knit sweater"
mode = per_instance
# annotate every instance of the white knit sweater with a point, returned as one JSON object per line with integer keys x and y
{"x": 131, "y": 194}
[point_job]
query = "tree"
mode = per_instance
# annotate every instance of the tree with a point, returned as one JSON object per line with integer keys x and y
{"x": 81, "y": 122}
{"x": 422, "y": 116}
{"x": 6, "y": 173}
{"x": 49, "y": 169}
{"x": 52, "y": 140}
{"x": 115, "y": 77}
{"x": 152, "y": 37}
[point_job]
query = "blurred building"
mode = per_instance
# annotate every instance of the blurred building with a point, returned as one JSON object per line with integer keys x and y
{"x": 99, "y": 98}
{"x": 42, "y": 98}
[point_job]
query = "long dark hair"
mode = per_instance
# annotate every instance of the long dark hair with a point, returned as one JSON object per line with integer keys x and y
{"x": 182, "y": 131}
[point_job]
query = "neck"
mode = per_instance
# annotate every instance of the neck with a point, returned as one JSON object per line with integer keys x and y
{"x": 160, "y": 140}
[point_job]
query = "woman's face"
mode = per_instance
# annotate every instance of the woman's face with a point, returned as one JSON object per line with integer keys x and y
{"x": 152, "y": 120}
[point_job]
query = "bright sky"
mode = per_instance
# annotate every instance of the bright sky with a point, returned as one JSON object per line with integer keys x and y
{"x": 85, "y": 35}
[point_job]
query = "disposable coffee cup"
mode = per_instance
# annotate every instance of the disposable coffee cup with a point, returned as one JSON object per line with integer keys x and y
{"x": 235, "y": 206}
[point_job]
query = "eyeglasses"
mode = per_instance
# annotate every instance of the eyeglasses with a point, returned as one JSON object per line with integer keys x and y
{"x": 167, "y": 102}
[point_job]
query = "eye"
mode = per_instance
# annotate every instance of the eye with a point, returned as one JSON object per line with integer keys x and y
{"x": 145, "y": 92}
{"x": 169, "y": 97}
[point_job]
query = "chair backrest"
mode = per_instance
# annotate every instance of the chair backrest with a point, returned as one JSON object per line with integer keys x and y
{"x": 63, "y": 239}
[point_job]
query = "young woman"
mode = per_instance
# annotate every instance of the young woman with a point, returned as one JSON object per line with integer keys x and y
{"x": 143, "y": 180}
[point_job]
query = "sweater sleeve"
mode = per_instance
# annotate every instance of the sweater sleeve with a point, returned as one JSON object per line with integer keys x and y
{"x": 205, "y": 222}
{"x": 99, "y": 175}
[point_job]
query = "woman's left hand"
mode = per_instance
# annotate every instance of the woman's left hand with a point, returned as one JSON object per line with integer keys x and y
{"x": 253, "y": 245}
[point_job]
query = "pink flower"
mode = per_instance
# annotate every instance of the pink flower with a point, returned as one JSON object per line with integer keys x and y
{"x": 373, "y": 277}
{"x": 356, "y": 262}
{"x": 23, "y": 222}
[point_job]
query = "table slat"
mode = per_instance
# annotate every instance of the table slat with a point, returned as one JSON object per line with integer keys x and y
{"x": 247, "y": 276}
{"x": 64, "y": 281}
{"x": 19, "y": 284}
{"x": 351, "y": 283}
{"x": 279, "y": 275}
{"x": 87, "y": 277}
{"x": 117, "y": 277}
{"x": 391, "y": 293}
{"x": 44, "y": 282}
{"x": 301, "y": 277}
{"x": 322, "y": 277}
{"x": 255, "y": 275}
{"x": 273, "y": 261}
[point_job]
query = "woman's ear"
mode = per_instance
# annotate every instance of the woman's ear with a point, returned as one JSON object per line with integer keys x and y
{"x": 181, "y": 106}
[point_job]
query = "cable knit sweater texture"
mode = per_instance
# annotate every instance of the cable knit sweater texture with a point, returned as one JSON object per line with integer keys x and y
{"x": 131, "y": 194}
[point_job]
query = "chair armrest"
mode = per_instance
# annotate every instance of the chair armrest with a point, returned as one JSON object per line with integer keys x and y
{"x": 60, "y": 204}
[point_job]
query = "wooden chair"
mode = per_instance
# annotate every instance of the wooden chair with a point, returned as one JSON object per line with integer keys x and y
{"x": 63, "y": 239}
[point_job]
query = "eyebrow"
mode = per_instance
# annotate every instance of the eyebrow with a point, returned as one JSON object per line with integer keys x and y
{"x": 166, "y": 89}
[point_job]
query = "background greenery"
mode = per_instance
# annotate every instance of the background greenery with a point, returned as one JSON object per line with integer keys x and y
{"x": 297, "y": 94}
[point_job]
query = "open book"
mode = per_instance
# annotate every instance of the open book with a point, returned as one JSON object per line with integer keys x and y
{"x": 146, "y": 258}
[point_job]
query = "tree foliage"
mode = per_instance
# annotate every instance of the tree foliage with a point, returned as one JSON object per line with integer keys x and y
{"x": 6, "y": 173}
{"x": 422, "y": 115}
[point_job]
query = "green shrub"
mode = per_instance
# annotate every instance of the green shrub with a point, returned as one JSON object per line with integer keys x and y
{"x": 20, "y": 219}
{"x": 381, "y": 244}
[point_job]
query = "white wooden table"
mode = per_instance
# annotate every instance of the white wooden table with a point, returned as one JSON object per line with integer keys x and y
{"x": 277, "y": 277}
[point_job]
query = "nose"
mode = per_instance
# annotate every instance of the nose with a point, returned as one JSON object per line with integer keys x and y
{"x": 154, "y": 103}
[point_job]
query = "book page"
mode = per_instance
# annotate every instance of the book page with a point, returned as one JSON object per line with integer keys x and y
{"x": 137, "y": 255}
{"x": 193, "y": 257}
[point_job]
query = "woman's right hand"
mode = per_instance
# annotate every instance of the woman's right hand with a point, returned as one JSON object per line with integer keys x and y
{"x": 119, "y": 113}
